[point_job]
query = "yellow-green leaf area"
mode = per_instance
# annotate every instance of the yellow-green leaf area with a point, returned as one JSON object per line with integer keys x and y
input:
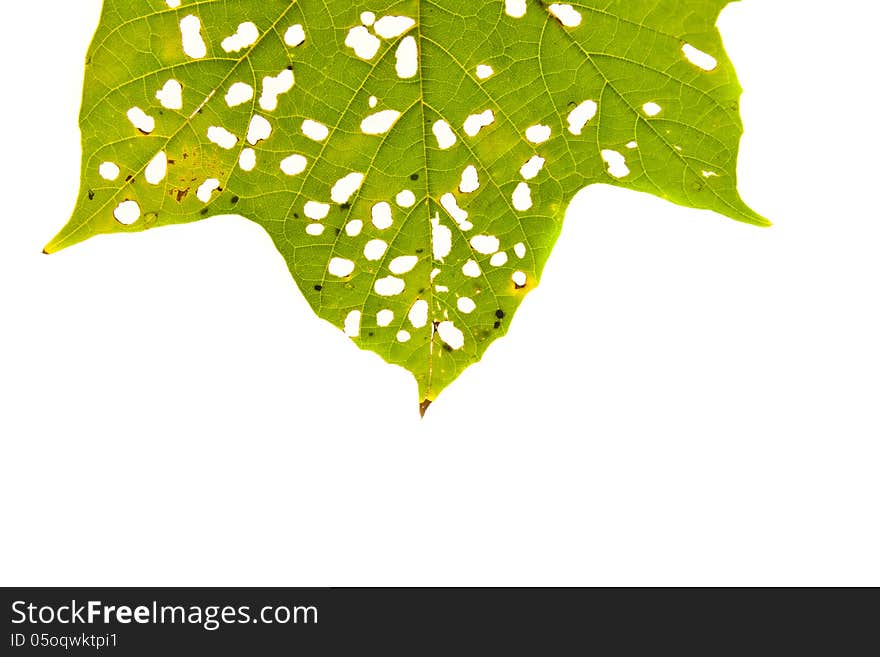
{"x": 412, "y": 161}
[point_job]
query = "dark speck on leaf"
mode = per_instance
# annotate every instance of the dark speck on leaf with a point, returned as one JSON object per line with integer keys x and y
{"x": 91, "y": 195}
{"x": 415, "y": 176}
{"x": 129, "y": 178}
{"x": 345, "y": 206}
{"x": 497, "y": 325}
{"x": 371, "y": 334}
{"x": 204, "y": 212}
{"x": 338, "y": 230}
{"x": 420, "y": 251}
{"x": 296, "y": 215}
{"x": 499, "y": 314}
{"x": 447, "y": 347}
{"x": 234, "y": 200}
{"x": 290, "y": 67}
{"x": 318, "y": 288}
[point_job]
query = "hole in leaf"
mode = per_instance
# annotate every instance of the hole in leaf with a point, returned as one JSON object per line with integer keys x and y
{"x": 390, "y": 286}
{"x": 470, "y": 180}
{"x": 403, "y": 264}
{"x": 466, "y": 305}
{"x": 407, "y": 56}
{"x": 239, "y": 93}
{"x": 191, "y": 35}
{"x": 381, "y": 214}
{"x": 441, "y": 237}
{"x": 207, "y": 189}
{"x": 295, "y": 36}
{"x": 538, "y": 134}
{"x": 445, "y": 136}
{"x": 127, "y": 212}
{"x": 471, "y": 269}
{"x": 222, "y": 137}
{"x": 294, "y": 164}
{"x": 258, "y": 130}
{"x": 273, "y": 87}
{"x": 354, "y": 228}
{"x": 522, "y": 197}
{"x": 418, "y": 314}
{"x": 345, "y": 187}
{"x": 353, "y": 324}
{"x": 476, "y": 122}
{"x": 341, "y": 267}
{"x": 375, "y": 249}
{"x": 616, "y": 162}
{"x": 384, "y": 317}
{"x": 170, "y": 96}
{"x": 699, "y": 58}
{"x": 451, "y": 335}
{"x": 515, "y": 8}
{"x": 314, "y": 130}
{"x": 499, "y": 259}
{"x": 248, "y": 159}
{"x": 316, "y": 210}
{"x": 485, "y": 244}
{"x": 108, "y": 171}
{"x": 380, "y": 122}
{"x": 651, "y": 109}
{"x": 581, "y": 115}
{"x": 391, "y": 27}
{"x": 364, "y": 44}
{"x": 532, "y": 168}
{"x": 405, "y": 199}
{"x": 141, "y": 120}
{"x": 566, "y": 14}
{"x": 484, "y": 71}
{"x": 246, "y": 36}
{"x": 157, "y": 169}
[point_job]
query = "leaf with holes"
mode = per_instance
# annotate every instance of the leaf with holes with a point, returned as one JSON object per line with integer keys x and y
{"x": 411, "y": 160}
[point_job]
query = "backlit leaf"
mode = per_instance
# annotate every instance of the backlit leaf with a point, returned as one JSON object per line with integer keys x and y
{"x": 411, "y": 160}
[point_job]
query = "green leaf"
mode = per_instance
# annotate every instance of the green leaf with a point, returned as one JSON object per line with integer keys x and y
{"x": 411, "y": 160}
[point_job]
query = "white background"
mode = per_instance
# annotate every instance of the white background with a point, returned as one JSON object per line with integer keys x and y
{"x": 685, "y": 400}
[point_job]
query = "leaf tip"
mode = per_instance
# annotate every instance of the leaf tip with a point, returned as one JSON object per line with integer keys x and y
{"x": 761, "y": 222}
{"x": 423, "y": 407}
{"x": 68, "y": 236}
{"x": 54, "y": 246}
{"x": 746, "y": 215}
{"x": 758, "y": 219}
